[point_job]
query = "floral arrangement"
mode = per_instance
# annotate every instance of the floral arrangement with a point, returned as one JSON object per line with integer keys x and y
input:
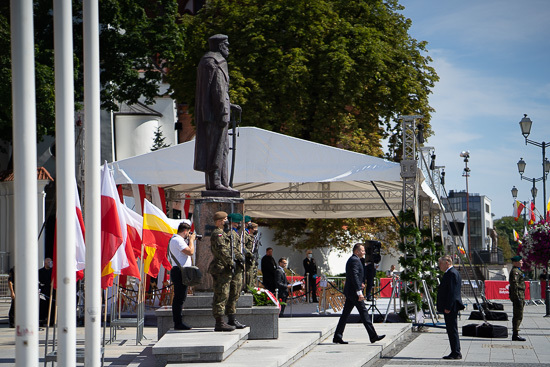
{"x": 535, "y": 248}
{"x": 263, "y": 297}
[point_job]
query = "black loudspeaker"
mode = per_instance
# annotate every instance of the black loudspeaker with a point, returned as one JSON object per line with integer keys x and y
{"x": 372, "y": 251}
{"x": 456, "y": 228}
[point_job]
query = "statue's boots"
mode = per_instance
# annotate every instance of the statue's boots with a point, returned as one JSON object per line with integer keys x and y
{"x": 222, "y": 326}
{"x": 234, "y": 322}
{"x": 214, "y": 181}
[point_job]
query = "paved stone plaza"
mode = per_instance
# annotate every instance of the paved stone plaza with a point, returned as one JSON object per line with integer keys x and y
{"x": 307, "y": 341}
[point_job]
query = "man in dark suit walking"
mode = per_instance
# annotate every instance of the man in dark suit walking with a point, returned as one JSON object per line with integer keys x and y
{"x": 449, "y": 302}
{"x": 353, "y": 290}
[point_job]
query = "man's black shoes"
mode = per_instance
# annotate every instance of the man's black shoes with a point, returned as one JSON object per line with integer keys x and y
{"x": 183, "y": 326}
{"x": 338, "y": 340}
{"x": 378, "y": 338}
{"x": 453, "y": 356}
{"x": 518, "y": 338}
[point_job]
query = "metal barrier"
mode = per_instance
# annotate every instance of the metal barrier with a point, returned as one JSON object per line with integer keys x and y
{"x": 476, "y": 287}
{"x": 534, "y": 288}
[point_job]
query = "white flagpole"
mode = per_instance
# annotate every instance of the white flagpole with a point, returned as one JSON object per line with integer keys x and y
{"x": 92, "y": 184}
{"x": 25, "y": 183}
{"x": 66, "y": 206}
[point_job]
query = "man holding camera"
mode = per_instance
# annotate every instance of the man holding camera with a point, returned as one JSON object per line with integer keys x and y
{"x": 181, "y": 247}
{"x": 226, "y": 269}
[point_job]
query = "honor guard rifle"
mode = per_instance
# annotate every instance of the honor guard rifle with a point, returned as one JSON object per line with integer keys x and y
{"x": 233, "y": 265}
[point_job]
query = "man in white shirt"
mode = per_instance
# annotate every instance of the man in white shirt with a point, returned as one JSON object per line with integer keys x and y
{"x": 181, "y": 247}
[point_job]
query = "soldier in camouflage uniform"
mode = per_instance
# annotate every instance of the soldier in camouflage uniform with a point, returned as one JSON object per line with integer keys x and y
{"x": 251, "y": 273}
{"x": 225, "y": 273}
{"x": 517, "y": 296}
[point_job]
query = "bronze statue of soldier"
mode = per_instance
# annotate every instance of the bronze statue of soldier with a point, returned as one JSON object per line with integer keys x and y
{"x": 212, "y": 115}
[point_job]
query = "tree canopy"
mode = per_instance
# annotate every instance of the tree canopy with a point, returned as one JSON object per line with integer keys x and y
{"x": 337, "y": 72}
{"x": 138, "y": 41}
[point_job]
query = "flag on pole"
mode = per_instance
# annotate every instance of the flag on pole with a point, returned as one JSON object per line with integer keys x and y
{"x": 111, "y": 231}
{"x": 548, "y": 210}
{"x": 461, "y": 250}
{"x": 157, "y": 231}
{"x": 516, "y": 236}
{"x": 518, "y": 208}
{"x": 532, "y": 216}
{"x": 80, "y": 253}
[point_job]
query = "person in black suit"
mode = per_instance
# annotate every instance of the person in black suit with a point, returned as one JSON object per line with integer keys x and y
{"x": 268, "y": 270}
{"x": 310, "y": 269}
{"x": 353, "y": 290}
{"x": 449, "y": 302}
{"x": 281, "y": 283}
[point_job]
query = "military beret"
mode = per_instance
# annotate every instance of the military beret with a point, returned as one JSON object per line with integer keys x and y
{"x": 247, "y": 219}
{"x": 235, "y": 217}
{"x": 516, "y": 258}
{"x": 220, "y": 215}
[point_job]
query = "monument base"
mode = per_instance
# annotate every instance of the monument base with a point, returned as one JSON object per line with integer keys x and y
{"x": 220, "y": 194}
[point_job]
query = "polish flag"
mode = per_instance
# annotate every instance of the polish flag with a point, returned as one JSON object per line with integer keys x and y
{"x": 111, "y": 231}
{"x": 532, "y": 216}
{"x": 80, "y": 253}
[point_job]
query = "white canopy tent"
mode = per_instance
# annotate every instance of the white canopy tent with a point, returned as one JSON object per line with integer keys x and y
{"x": 281, "y": 177}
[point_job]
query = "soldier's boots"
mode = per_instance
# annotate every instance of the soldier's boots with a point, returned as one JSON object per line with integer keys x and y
{"x": 234, "y": 322}
{"x": 517, "y": 338}
{"x": 222, "y": 326}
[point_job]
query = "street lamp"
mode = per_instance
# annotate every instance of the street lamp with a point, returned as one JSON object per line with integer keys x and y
{"x": 466, "y": 155}
{"x": 525, "y": 125}
{"x": 521, "y": 169}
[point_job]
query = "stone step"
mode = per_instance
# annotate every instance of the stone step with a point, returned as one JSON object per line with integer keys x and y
{"x": 262, "y": 320}
{"x": 204, "y": 300}
{"x": 198, "y": 345}
{"x": 359, "y": 352}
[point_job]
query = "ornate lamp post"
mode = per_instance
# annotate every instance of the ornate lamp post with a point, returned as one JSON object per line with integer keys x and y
{"x": 466, "y": 155}
{"x": 525, "y": 125}
{"x": 521, "y": 169}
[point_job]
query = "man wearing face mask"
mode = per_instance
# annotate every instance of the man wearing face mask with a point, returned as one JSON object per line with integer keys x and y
{"x": 310, "y": 268}
{"x": 250, "y": 257}
{"x": 212, "y": 114}
{"x": 226, "y": 271}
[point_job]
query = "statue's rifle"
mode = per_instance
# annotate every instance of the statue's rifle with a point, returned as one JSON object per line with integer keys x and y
{"x": 234, "y": 123}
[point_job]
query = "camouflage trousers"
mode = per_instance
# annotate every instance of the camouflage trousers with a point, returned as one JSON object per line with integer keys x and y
{"x": 517, "y": 315}
{"x": 227, "y": 289}
{"x": 251, "y": 277}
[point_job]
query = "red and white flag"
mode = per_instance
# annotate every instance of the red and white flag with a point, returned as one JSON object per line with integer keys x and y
{"x": 532, "y": 216}
{"x": 80, "y": 250}
{"x": 111, "y": 231}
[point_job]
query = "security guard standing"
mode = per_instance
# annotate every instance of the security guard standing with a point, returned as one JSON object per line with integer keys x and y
{"x": 226, "y": 275}
{"x": 517, "y": 296}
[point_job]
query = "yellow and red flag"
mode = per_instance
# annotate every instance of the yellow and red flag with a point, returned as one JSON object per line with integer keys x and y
{"x": 157, "y": 231}
{"x": 518, "y": 208}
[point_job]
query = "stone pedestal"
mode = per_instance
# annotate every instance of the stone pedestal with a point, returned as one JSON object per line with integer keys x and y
{"x": 203, "y": 218}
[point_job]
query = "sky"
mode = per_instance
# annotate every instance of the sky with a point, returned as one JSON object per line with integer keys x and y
{"x": 493, "y": 61}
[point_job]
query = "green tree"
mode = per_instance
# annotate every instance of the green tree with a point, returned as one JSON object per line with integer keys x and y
{"x": 505, "y": 227}
{"x": 158, "y": 141}
{"x": 138, "y": 42}
{"x": 337, "y": 72}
